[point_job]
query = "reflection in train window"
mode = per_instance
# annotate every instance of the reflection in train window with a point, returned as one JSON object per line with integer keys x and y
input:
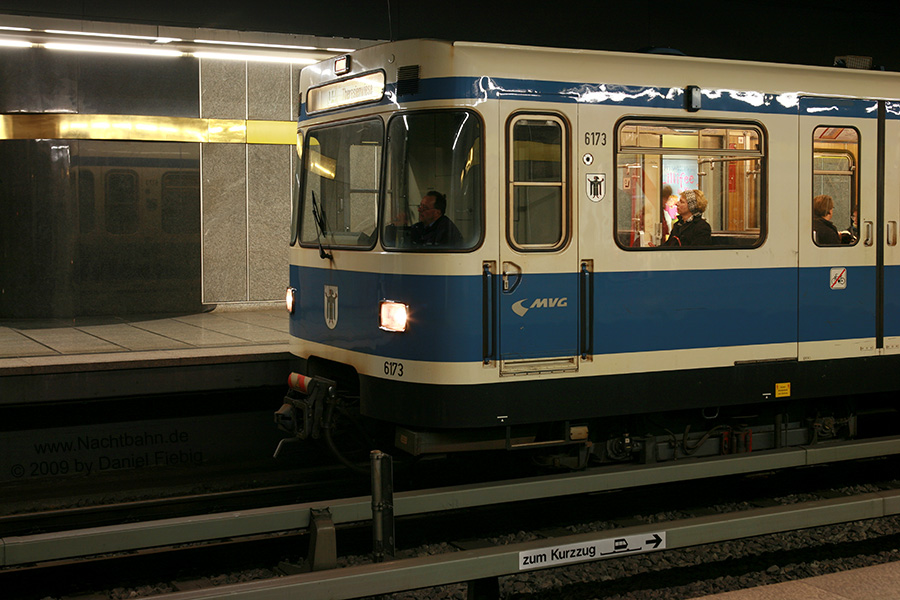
{"x": 180, "y": 190}
{"x": 835, "y": 175}
{"x": 657, "y": 161}
{"x": 340, "y": 184}
{"x": 122, "y": 202}
{"x": 537, "y": 210}
{"x": 85, "y": 191}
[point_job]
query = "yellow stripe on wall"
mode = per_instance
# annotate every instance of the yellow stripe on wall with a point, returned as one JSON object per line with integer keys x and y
{"x": 146, "y": 128}
{"x": 271, "y": 132}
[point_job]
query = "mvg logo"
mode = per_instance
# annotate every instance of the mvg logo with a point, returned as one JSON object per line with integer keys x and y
{"x": 520, "y": 309}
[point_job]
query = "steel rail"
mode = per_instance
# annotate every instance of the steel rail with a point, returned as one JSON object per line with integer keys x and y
{"x": 474, "y": 565}
{"x": 22, "y": 550}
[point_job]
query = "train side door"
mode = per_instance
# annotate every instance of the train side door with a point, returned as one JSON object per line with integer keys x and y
{"x": 538, "y": 307}
{"x": 840, "y": 219}
{"x": 891, "y": 224}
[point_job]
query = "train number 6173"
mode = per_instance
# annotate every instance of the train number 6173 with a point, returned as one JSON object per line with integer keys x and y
{"x": 393, "y": 368}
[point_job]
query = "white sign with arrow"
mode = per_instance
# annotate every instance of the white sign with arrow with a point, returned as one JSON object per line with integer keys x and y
{"x": 592, "y": 550}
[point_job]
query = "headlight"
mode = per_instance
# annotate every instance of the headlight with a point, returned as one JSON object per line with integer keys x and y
{"x": 289, "y": 299}
{"x": 394, "y": 316}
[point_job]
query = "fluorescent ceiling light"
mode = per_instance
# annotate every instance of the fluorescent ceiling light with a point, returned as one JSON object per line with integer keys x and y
{"x": 113, "y": 49}
{"x": 15, "y": 43}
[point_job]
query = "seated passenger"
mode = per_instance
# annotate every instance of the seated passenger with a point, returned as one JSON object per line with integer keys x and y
{"x": 854, "y": 226}
{"x": 825, "y": 233}
{"x": 690, "y": 229}
{"x": 434, "y": 227}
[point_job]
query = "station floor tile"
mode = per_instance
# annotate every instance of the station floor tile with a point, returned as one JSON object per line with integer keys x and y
{"x": 230, "y": 328}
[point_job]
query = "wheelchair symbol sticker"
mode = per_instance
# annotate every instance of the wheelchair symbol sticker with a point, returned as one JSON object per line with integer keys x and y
{"x": 838, "y": 279}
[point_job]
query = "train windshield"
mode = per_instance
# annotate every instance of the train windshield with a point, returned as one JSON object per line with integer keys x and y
{"x": 342, "y": 166}
{"x": 434, "y": 186}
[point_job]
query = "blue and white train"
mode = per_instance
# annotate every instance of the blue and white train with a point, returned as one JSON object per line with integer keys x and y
{"x": 561, "y": 316}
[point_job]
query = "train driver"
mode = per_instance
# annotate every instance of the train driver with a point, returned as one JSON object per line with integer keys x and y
{"x": 691, "y": 229}
{"x": 434, "y": 227}
{"x": 824, "y": 231}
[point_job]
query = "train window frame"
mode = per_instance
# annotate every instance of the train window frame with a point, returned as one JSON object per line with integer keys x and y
{"x": 475, "y": 209}
{"x": 296, "y": 187}
{"x": 513, "y": 185}
{"x": 365, "y": 242}
{"x": 755, "y": 230}
{"x": 820, "y": 149}
{"x": 134, "y": 203}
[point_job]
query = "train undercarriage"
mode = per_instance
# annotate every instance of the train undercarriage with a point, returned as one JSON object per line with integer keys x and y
{"x": 315, "y": 408}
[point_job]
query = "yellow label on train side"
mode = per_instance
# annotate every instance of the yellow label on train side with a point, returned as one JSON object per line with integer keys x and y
{"x": 783, "y": 390}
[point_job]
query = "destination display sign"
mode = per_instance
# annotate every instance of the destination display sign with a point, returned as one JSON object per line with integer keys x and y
{"x": 591, "y": 550}
{"x": 346, "y": 92}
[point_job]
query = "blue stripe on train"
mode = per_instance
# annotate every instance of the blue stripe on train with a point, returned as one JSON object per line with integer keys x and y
{"x": 492, "y": 88}
{"x": 670, "y": 310}
{"x": 633, "y": 311}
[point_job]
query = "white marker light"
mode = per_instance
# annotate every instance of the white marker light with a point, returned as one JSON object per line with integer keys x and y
{"x": 289, "y": 299}
{"x": 394, "y": 316}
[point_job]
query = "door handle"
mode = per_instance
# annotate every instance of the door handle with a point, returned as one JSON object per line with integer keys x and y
{"x": 587, "y": 308}
{"x": 892, "y": 233}
{"x": 870, "y": 230}
{"x": 489, "y": 312}
{"x": 511, "y": 276}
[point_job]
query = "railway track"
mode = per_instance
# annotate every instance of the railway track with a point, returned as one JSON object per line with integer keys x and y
{"x": 261, "y": 534}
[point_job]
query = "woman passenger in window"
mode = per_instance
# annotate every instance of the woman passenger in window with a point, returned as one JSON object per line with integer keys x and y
{"x": 691, "y": 229}
{"x": 825, "y": 233}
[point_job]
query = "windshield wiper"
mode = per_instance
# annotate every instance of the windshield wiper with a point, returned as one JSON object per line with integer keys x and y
{"x": 319, "y": 218}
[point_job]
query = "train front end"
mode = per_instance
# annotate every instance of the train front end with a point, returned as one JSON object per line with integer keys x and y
{"x": 386, "y": 276}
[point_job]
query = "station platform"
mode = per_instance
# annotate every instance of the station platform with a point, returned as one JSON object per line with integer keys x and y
{"x": 72, "y": 359}
{"x": 879, "y": 582}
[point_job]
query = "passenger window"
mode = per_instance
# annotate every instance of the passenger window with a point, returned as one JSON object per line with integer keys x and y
{"x": 835, "y": 201}
{"x": 689, "y": 184}
{"x": 122, "y": 202}
{"x": 537, "y": 204}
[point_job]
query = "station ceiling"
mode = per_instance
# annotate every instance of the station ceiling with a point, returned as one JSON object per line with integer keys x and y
{"x": 798, "y": 31}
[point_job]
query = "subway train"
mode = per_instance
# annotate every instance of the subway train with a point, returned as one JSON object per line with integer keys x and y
{"x": 486, "y": 252}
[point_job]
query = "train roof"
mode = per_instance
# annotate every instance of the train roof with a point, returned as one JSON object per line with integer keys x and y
{"x": 443, "y": 59}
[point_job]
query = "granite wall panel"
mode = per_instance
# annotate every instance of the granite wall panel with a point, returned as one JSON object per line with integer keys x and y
{"x": 224, "y": 222}
{"x": 223, "y": 89}
{"x": 269, "y": 202}
{"x": 269, "y": 91}
{"x": 295, "y": 92}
